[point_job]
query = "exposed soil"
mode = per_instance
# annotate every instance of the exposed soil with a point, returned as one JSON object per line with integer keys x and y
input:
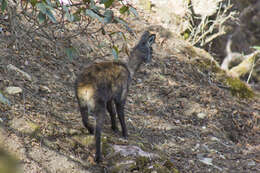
{"x": 173, "y": 110}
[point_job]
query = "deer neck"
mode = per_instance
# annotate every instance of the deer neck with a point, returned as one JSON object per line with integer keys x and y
{"x": 134, "y": 62}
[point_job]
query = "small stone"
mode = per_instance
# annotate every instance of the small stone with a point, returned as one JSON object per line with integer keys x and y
{"x": 214, "y": 139}
{"x": 201, "y": 115}
{"x": 45, "y": 89}
{"x": 197, "y": 146}
{"x": 251, "y": 163}
{"x": 139, "y": 80}
{"x": 13, "y": 90}
{"x": 73, "y": 131}
{"x": 132, "y": 150}
{"x": 19, "y": 71}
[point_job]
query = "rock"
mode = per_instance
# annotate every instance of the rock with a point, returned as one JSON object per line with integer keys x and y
{"x": 132, "y": 151}
{"x": 214, "y": 139}
{"x": 24, "y": 126}
{"x": 208, "y": 161}
{"x": 201, "y": 115}
{"x": 73, "y": 131}
{"x": 122, "y": 166}
{"x": 13, "y": 90}
{"x": 251, "y": 163}
{"x": 44, "y": 88}
{"x": 24, "y": 74}
{"x": 191, "y": 107}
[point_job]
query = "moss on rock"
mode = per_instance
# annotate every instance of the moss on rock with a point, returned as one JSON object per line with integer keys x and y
{"x": 205, "y": 62}
{"x": 239, "y": 88}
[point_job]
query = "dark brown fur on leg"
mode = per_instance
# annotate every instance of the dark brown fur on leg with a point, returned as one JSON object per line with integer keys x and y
{"x": 112, "y": 112}
{"x": 100, "y": 113}
{"x": 121, "y": 116}
{"x": 84, "y": 115}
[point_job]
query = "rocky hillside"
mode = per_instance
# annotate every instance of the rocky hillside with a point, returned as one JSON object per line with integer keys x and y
{"x": 183, "y": 114}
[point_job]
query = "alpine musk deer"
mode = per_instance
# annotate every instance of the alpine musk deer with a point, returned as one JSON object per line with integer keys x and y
{"x": 101, "y": 85}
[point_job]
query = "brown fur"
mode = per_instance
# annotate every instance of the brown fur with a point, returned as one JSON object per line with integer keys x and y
{"x": 104, "y": 84}
{"x": 108, "y": 78}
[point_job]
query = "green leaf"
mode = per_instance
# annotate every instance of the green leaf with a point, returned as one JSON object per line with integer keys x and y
{"x": 94, "y": 15}
{"x": 3, "y": 5}
{"x": 115, "y": 52}
{"x": 42, "y": 7}
{"x": 4, "y": 100}
{"x": 45, "y": 9}
{"x": 123, "y": 9}
{"x": 77, "y": 17}
{"x": 65, "y": 8}
{"x": 48, "y": 2}
{"x": 120, "y": 33}
{"x": 41, "y": 17}
{"x": 68, "y": 15}
{"x": 71, "y": 52}
{"x": 51, "y": 16}
{"x": 123, "y": 35}
{"x": 107, "y": 3}
{"x": 33, "y": 2}
{"x": 120, "y": 20}
{"x": 112, "y": 33}
{"x": 49, "y": 7}
{"x": 133, "y": 10}
{"x": 95, "y": 8}
{"x": 86, "y": 1}
{"x": 108, "y": 16}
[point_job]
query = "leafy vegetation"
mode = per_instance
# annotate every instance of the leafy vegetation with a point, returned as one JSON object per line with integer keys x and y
{"x": 68, "y": 19}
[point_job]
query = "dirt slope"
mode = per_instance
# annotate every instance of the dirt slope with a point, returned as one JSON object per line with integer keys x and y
{"x": 175, "y": 111}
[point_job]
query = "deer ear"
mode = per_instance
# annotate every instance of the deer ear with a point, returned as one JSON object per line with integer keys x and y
{"x": 151, "y": 39}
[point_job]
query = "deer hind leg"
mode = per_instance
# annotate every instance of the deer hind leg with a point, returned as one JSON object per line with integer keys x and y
{"x": 84, "y": 115}
{"x": 112, "y": 112}
{"x": 100, "y": 112}
{"x": 121, "y": 115}
{"x": 86, "y": 103}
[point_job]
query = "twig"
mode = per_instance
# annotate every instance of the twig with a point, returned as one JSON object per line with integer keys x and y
{"x": 199, "y": 33}
{"x": 251, "y": 71}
